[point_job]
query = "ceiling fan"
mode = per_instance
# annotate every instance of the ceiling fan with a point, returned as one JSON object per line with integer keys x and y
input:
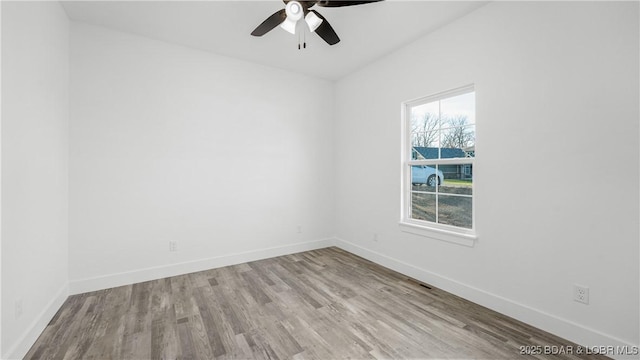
{"x": 294, "y": 11}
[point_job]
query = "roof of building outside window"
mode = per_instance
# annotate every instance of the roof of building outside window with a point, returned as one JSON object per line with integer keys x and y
{"x": 446, "y": 153}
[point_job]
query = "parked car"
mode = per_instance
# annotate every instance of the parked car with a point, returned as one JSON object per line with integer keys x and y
{"x": 423, "y": 174}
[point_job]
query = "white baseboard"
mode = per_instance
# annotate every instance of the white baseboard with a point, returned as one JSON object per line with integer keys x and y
{"x": 159, "y": 272}
{"x": 553, "y": 324}
{"x": 29, "y": 337}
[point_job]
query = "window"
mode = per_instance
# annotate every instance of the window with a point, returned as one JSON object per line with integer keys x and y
{"x": 438, "y": 154}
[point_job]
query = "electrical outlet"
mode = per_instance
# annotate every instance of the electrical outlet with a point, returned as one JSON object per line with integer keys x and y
{"x": 375, "y": 237}
{"x": 581, "y": 294}
{"x": 173, "y": 246}
{"x": 18, "y": 308}
{"x": 299, "y": 229}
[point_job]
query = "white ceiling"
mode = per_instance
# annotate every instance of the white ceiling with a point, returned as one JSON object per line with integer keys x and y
{"x": 367, "y": 32}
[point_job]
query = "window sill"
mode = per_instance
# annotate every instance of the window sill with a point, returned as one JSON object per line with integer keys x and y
{"x": 439, "y": 234}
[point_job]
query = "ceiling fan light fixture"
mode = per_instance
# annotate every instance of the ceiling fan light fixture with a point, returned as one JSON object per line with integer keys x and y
{"x": 294, "y": 13}
{"x": 289, "y": 25}
{"x": 313, "y": 21}
{"x": 294, "y": 10}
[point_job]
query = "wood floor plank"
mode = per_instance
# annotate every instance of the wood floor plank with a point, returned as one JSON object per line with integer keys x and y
{"x": 186, "y": 340}
{"x": 320, "y": 304}
{"x": 200, "y": 339}
{"x": 211, "y": 323}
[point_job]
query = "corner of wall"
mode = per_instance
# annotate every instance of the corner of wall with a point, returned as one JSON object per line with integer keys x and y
{"x": 38, "y": 32}
{"x": 33, "y": 331}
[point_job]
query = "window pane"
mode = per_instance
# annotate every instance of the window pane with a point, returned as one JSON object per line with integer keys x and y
{"x": 458, "y": 179}
{"x": 455, "y": 210}
{"x": 425, "y": 178}
{"x": 423, "y": 207}
{"x": 458, "y": 141}
{"x": 425, "y": 117}
{"x": 458, "y": 110}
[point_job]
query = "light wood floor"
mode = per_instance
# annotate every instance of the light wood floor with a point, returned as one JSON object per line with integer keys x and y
{"x": 322, "y": 304}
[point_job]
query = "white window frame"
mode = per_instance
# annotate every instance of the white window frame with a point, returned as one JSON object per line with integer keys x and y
{"x": 449, "y": 233}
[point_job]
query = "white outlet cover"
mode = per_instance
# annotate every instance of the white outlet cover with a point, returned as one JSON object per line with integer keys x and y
{"x": 581, "y": 294}
{"x": 173, "y": 246}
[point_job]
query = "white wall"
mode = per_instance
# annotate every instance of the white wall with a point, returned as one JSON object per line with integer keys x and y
{"x": 171, "y": 144}
{"x": 557, "y": 169}
{"x": 35, "y": 112}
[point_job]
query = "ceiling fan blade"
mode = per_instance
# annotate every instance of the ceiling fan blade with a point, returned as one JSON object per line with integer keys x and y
{"x": 340, "y": 3}
{"x": 325, "y": 31}
{"x": 272, "y": 21}
{"x": 307, "y": 4}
